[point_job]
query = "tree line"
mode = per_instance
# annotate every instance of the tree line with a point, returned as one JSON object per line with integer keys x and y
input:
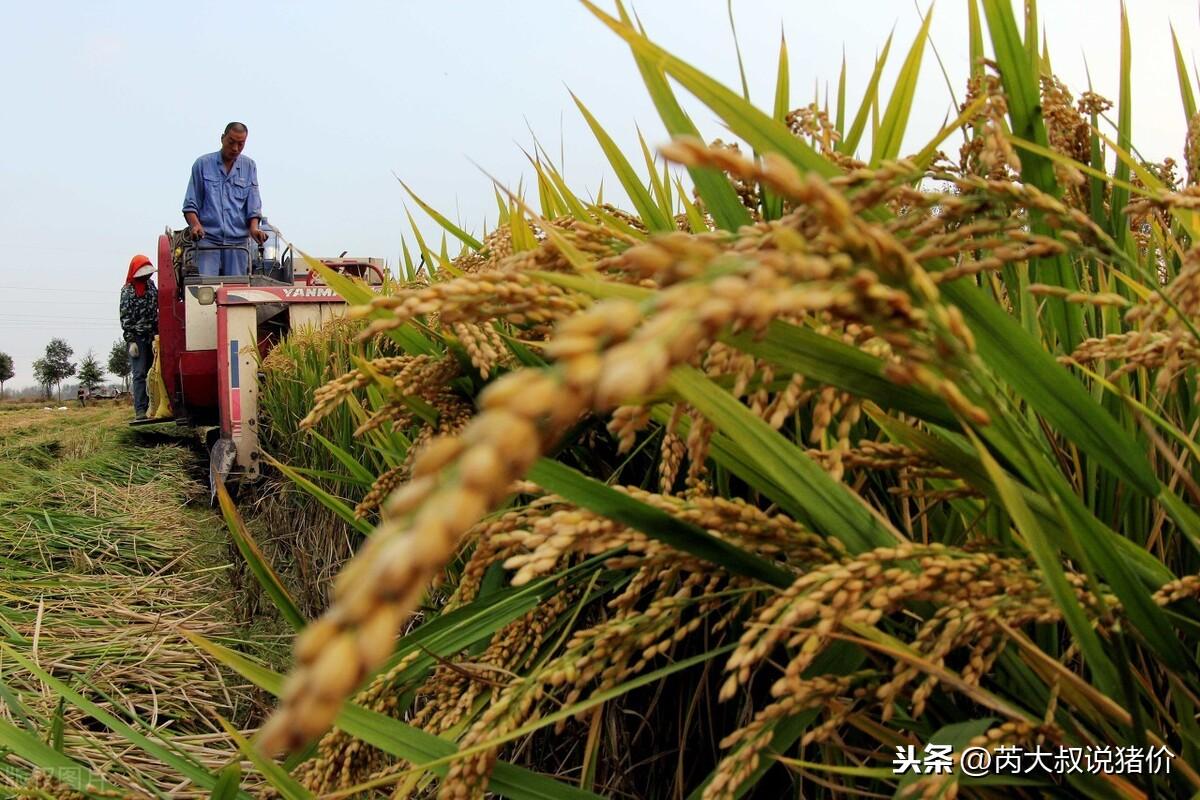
{"x": 56, "y": 365}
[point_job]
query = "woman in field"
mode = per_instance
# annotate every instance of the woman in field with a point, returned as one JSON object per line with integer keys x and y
{"x": 139, "y": 323}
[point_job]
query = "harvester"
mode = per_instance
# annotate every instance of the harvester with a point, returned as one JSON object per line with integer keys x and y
{"x": 214, "y": 332}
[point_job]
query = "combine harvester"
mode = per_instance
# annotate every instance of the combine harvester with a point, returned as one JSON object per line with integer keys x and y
{"x": 213, "y": 333}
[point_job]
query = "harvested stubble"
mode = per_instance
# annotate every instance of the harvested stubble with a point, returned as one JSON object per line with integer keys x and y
{"x": 104, "y": 566}
{"x": 934, "y": 524}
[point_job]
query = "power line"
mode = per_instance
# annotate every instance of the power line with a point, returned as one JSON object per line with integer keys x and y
{"x": 57, "y": 290}
{"x": 59, "y": 321}
{"x": 63, "y": 319}
{"x": 90, "y": 327}
{"x": 26, "y": 301}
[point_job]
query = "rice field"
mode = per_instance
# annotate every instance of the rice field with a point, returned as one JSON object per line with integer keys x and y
{"x": 815, "y": 453}
{"x": 852, "y": 446}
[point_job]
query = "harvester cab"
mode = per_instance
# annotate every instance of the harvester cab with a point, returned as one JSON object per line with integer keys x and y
{"x": 214, "y": 332}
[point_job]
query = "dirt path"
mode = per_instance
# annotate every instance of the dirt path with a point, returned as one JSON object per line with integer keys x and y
{"x": 108, "y": 548}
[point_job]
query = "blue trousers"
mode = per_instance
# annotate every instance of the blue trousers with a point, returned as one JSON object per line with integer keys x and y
{"x": 213, "y": 263}
{"x": 139, "y": 367}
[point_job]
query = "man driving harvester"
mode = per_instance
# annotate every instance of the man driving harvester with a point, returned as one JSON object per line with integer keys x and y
{"x": 222, "y": 206}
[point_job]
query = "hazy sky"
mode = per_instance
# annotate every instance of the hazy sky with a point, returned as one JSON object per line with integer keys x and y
{"x": 108, "y": 104}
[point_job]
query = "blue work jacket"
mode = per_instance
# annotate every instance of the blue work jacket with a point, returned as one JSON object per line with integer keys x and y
{"x": 224, "y": 203}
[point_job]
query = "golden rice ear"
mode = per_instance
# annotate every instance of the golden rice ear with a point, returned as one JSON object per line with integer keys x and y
{"x": 840, "y": 376}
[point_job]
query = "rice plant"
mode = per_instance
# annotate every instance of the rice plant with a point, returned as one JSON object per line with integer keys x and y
{"x": 308, "y": 541}
{"x": 754, "y": 488}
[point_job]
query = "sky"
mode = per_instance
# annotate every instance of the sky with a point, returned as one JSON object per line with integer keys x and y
{"x": 108, "y": 104}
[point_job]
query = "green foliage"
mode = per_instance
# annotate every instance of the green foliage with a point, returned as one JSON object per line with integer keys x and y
{"x": 55, "y": 366}
{"x": 90, "y": 373}
{"x": 42, "y": 374}
{"x": 118, "y": 361}
{"x": 6, "y": 370}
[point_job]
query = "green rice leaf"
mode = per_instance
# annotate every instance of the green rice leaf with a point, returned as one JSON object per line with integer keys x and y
{"x": 573, "y": 204}
{"x": 523, "y": 236}
{"x": 773, "y": 203}
{"x": 975, "y": 38}
{"x": 696, "y": 221}
{"x": 1031, "y": 35}
{"x": 1185, "y": 83}
{"x": 1018, "y": 72}
{"x": 258, "y": 563}
{"x": 337, "y": 506}
{"x": 1088, "y": 537}
{"x": 849, "y": 144}
{"x": 828, "y": 361}
{"x": 1104, "y": 674}
{"x": 569, "y": 251}
{"x": 464, "y": 237}
{"x": 718, "y": 193}
{"x": 1020, "y": 83}
{"x": 502, "y": 209}
{"x": 1049, "y": 388}
{"x": 184, "y": 765}
{"x": 357, "y": 293}
{"x": 895, "y": 119}
{"x": 427, "y": 255}
{"x": 56, "y": 726}
{"x": 617, "y": 224}
{"x": 737, "y": 49}
{"x": 401, "y": 740}
{"x": 840, "y": 120}
{"x": 548, "y": 199}
{"x": 11, "y": 701}
{"x": 1087, "y": 169}
{"x": 1120, "y": 197}
{"x": 835, "y": 511}
{"x": 949, "y": 453}
{"x": 36, "y": 752}
{"x": 594, "y": 495}
{"x": 357, "y": 470}
{"x": 761, "y": 132}
{"x": 797, "y": 349}
{"x": 641, "y": 199}
{"x": 228, "y": 781}
{"x": 410, "y": 271}
{"x": 287, "y": 786}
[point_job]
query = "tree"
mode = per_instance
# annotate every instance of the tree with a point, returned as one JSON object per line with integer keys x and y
{"x": 118, "y": 362}
{"x": 57, "y": 364}
{"x": 90, "y": 374}
{"x": 43, "y": 375}
{"x": 6, "y": 370}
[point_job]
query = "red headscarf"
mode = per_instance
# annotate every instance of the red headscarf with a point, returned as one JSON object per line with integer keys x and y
{"x": 139, "y": 284}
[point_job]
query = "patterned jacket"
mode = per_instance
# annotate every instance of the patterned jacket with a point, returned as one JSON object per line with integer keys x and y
{"x": 139, "y": 315}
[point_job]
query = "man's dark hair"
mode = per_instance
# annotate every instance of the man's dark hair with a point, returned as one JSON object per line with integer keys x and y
{"x": 236, "y": 127}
